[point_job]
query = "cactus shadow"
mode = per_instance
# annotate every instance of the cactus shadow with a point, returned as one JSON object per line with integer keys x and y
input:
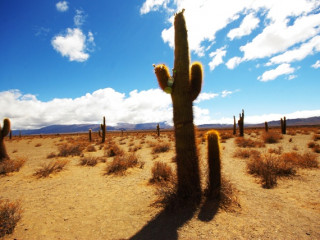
{"x": 209, "y": 209}
{"x": 165, "y": 225}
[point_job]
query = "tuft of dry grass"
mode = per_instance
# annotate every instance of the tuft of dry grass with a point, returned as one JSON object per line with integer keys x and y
{"x": 10, "y": 165}
{"x": 88, "y": 161}
{"x": 271, "y": 137}
{"x": 121, "y": 163}
{"x": 245, "y": 153}
{"x": 277, "y": 150}
{"x": 66, "y": 150}
{"x": 51, "y": 167}
{"x": 91, "y": 148}
{"x": 161, "y": 172}
{"x": 247, "y": 142}
{"x": 161, "y": 147}
{"x": 38, "y": 145}
{"x": 10, "y": 214}
{"x": 306, "y": 160}
{"x": 113, "y": 150}
{"x": 316, "y": 137}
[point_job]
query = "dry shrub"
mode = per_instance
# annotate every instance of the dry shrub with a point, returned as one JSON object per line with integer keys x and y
{"x": 51, "y": 155}
{"x": 268, "y": 167}
{"x": 121, "y": 163}
{"x": 113, "y": 150}
{"x": 277, "y": 150}
{"x": 91, "y": 148}
{"x": 226, "y": 135}
{"x": 10, "y": 165}
{"x": 245, "y": 153}
{"x": 51, "y": 167}
{"x": 306, "y": 160}
{"x": 38, "y": 145}
{"x": 161, "y": 147}
{"x": 271, "y": 137}
{"x": 66, "y": 150}
{"x": 228, "y": 199}
{"x": 247, "y": 142}
{"x": 10, "y": 214}
{"x": 316, "y": 137}
{"x": 88, "y": 161}
{"x": 161, "y": 172}
{"x": 311, "y": 144}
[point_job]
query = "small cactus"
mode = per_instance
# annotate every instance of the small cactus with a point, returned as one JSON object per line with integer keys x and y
{"x": 241, "y": 123}
{"x": 103, "y": 130}
{"x": 283, "y": 125}
{"x": 4, "y": 131}
{"x": 234, "y": 126}
{"x": 90, "y": 135}
{"x": 266, "y": 127}
{"x": 158, "y": 130}
{"x": 184, "y": 86}
{"x": 214, "y": 164}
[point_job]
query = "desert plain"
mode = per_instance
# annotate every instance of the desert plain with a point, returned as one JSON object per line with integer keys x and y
{"x": 83, "y": 202}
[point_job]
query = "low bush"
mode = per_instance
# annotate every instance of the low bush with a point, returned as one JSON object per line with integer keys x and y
{"x": 247, "y": 142}
{"x": 306, "y": 160}
{"x": 161, "y": 147}
{"x": 161, "y": 172}
{"x": 113, "y": 150}
{"x": 121, "y": 163}
{"x": 10, "y": 214}
{"x": 88, "y": 161}
{"x": 271, "y": 137}
{"x": 66, "y": 150}
{"x": 10, "y": 165}
{"x": 51, "y": 167}
{"x": 246, "y": 153}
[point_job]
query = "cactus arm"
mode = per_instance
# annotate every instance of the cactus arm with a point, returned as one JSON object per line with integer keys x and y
{"x": 195, "y": 80}
{"x": 162, "y": 73}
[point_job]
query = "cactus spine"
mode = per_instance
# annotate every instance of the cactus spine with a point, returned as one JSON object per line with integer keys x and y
{"x": 184, "y": 88}
{"x": 4, "y": 132}
{"x": 234, "y": 126}
{"x": 103, "y": 130}
{"x": 266, "y": 127}
{"x": 241, "y": 123}
{"x": 214, "y": 163}
{"x": 158, "y": 130}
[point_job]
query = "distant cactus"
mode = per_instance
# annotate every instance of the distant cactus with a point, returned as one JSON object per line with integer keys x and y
{"x": 184, "y": 87}
{"x": 266, "y": 127}
{"x": 4, "y": 132}
{"x": 283, "y": 125}
{"x": 234, "y": 126}
{"x": 10, "y": 135}
{"x": 103, "y": 130}
{"x": 158, "y": 130}
{"x": 241, "y": 123}
{"x": 214, "y": 164}
{"x": 90, "y": 135}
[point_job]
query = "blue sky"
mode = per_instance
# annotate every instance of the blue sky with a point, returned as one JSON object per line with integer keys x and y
{"x": 66, "y": 62}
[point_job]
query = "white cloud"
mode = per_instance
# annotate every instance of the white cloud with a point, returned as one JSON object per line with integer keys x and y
{"x": 290, "y": 77}
{"x": 205, "y": 96}
{"x": 79, "y": 18}
{"x": 297, "y": 54}
{"x": 233, "y": 62}
{"x": 73, "y": 44}
{"x": 249, "y": 23}
{"x": 217, "y": 57}
{"x": 317, "y": 64}
{"x": 226, "y": 93}
{"x": 153, "y": 5}
{"x": 282, "y": 69}
{"x": 62, "y": 6}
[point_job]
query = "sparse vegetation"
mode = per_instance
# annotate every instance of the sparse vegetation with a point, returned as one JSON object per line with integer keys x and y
{"x": 161, "y": 172}
{"x": 113, "y": 150}
{"x": 121, "y": 163}
{"x": 66, "y": 150}
{"x": 10, "y": 165}
{"x": 10, "y": 214}
{"x": 271, "y": 137}
{"x": 52, "y": 167}
{"x": 161, "y": 147}
{"x": 248, "y": 143}
{"x": 88, "y": 161}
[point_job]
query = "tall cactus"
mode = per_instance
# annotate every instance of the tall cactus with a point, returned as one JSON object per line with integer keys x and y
{"x": 234, "y": 126}
{"x": 90, "y": 135}
{"x": 241, "y": 123}
{"x": 4, "y": 132}
{"x": 158, "y": 130}
{"x": 266, "y": 127}
{"x": 214, "y": 164}
{"x": 184, "y": 87}
{"x": 283, "y": 125}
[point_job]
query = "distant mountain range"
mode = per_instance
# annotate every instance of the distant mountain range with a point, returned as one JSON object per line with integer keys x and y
{"x": 75, "y": 128}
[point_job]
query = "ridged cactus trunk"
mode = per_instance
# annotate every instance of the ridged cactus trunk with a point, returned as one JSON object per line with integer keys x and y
{"x": 4, "y": 131}
{"x": 184, "y": 88}
{"x": 214, "y": 164}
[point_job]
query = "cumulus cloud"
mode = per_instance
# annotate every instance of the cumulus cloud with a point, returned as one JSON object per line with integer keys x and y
{"x": 217, "y": 57}
{"x": 249, "y": 23}
{"x": 282, "y": 69}
{"x": 233, "y": 62}
{"x": 79, "y": 18}
{"x": 317, "y": 64}
{"x": 153, "y": 5}
{"x": 205, "y": 96}
{"x": 62, "y": 6}
{"x": 73, "y": 44}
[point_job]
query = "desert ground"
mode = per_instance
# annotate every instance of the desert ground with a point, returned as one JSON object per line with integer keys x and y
{"x": 83, "y": 202}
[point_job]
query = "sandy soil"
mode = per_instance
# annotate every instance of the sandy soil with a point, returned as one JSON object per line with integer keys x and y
{"x": 81, "y": 202}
